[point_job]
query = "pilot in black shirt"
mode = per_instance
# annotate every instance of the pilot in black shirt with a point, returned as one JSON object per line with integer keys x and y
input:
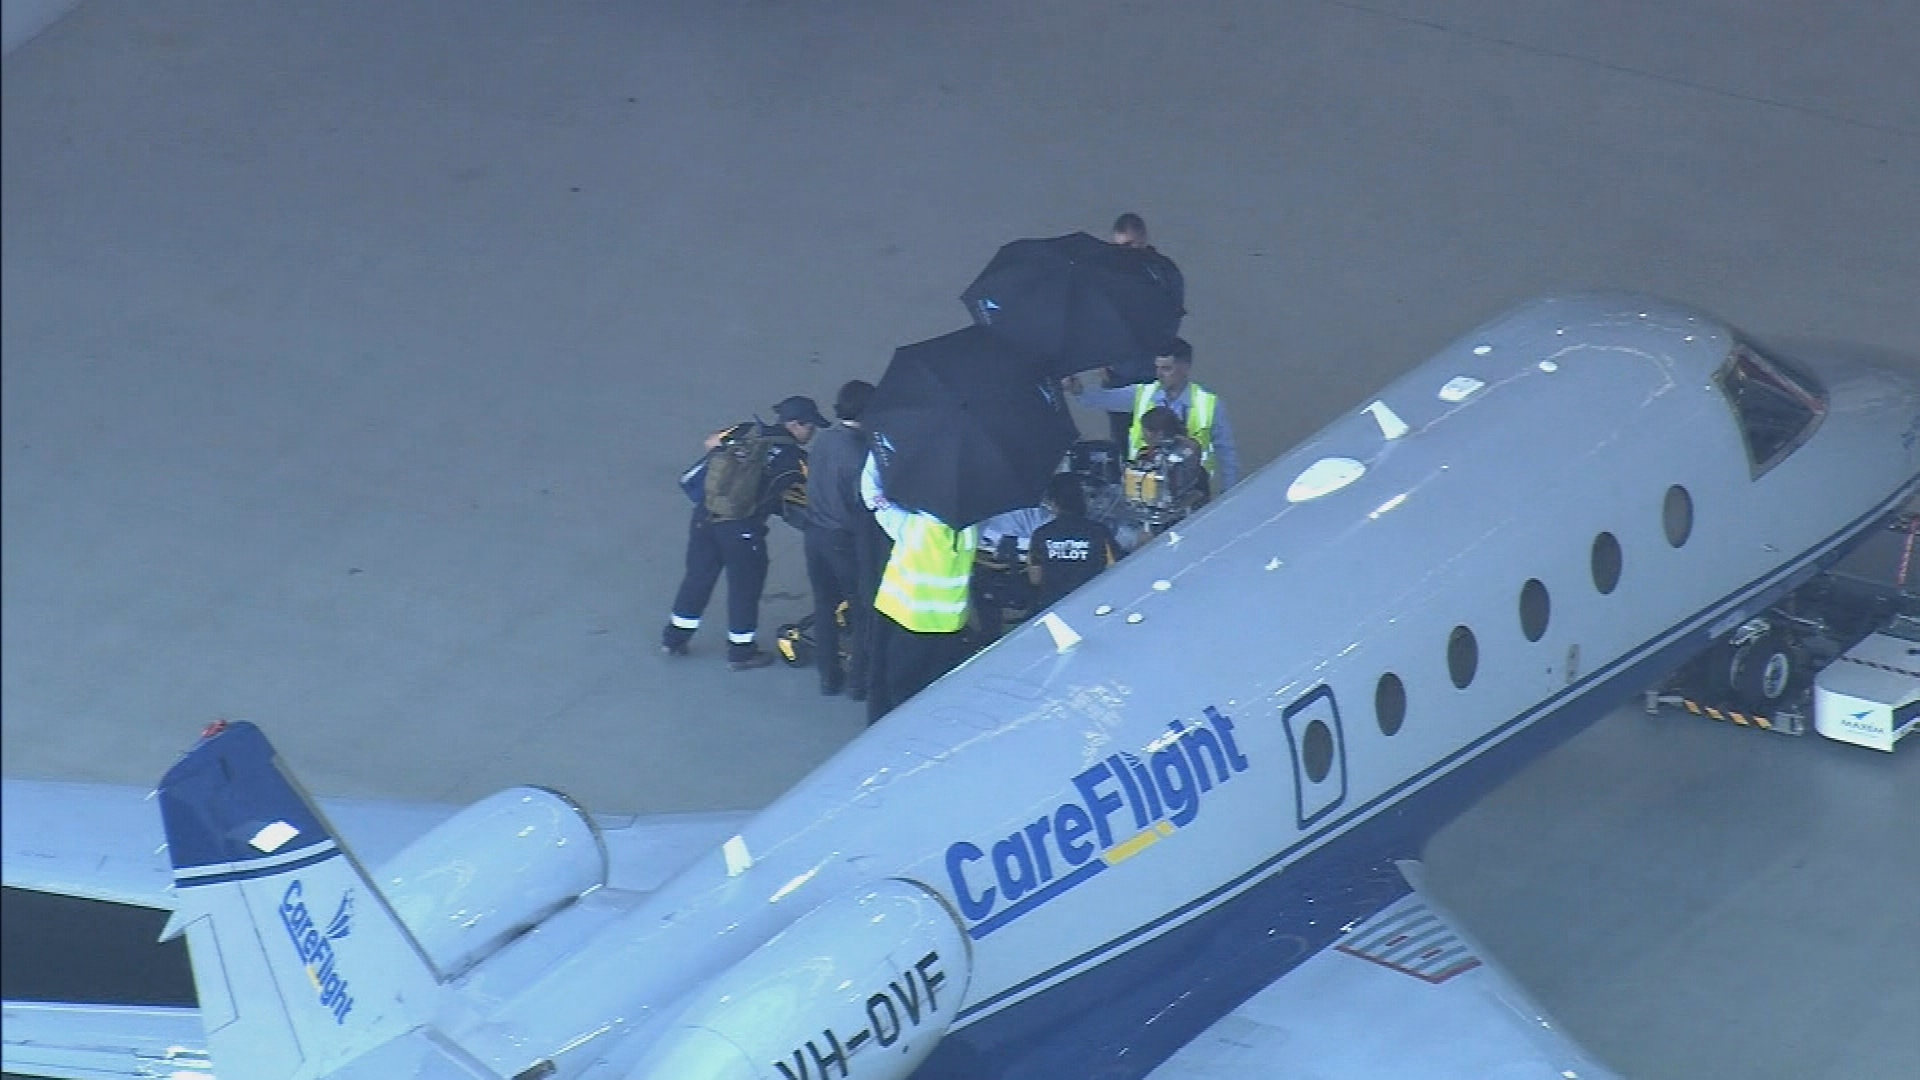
{"x": 1070, "y": 550}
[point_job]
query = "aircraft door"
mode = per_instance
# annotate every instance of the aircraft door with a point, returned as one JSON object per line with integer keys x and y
{"x": 1319, "y": 750}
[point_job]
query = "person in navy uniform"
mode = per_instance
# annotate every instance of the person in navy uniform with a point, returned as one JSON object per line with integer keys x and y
{"x": 1070, "y": 550}
{"x": 737, "y": 543}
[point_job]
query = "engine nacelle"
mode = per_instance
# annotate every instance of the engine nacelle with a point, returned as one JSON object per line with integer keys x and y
{"x": 862, "y": 986}
{"x": 490, "y": 872}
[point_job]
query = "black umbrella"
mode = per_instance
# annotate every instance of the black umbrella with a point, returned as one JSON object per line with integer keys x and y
{"x": 966, "y": 427}
{"x": 1077, "y": 302}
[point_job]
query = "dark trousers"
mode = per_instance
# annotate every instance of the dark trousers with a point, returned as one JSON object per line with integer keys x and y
{"x": 739, "y": 548}
{"x": 989, "y": 618}
{"x": 906, "y": 663}
{"x": 833, "y": 571}
{"x": 872, "y": 547}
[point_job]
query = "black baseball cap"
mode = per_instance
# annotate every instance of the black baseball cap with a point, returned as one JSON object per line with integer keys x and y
{"x": 801, "y": 409}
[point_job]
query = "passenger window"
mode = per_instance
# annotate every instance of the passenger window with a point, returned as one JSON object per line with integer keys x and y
{"x": 1463, "y": 656}
{"x": 1316, "y": 750}
{"x": 1776, "y": 407}
{"x": 1607, "y": 563}
{"x": 1390, "y": 703}
{"x": 1677, "y": 515}
{"x": 1535, "y": 606}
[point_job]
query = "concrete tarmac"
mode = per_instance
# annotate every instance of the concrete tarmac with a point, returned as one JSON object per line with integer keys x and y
{"x": 350, "y": 352}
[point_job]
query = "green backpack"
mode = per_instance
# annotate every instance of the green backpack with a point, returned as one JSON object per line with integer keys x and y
{"x": 737, "y": 469}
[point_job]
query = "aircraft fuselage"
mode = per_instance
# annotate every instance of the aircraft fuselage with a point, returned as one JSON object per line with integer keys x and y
{"x": 1271, "y": 705}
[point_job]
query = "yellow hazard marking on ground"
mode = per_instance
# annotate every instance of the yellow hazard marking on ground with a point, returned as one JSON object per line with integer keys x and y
{"x": 1728, "y": 715}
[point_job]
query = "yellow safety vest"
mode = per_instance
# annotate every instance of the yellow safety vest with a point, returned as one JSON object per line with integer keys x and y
{"x": 924, "y": 587}
{"x": 1200, "y": 403}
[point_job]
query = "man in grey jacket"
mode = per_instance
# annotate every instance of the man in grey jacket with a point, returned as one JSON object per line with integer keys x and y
{"x": 835, "y": 517}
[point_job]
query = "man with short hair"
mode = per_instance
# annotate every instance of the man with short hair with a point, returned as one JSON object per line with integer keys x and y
{"x": 1130, "y": 230}
{"x": 1197, "y": 407}
{"x": 1130, "y": 233}
{"x": 728, "y": 529}
{"x": 835, "y": 517}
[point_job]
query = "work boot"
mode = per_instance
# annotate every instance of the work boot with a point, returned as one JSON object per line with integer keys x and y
{"x": 673, "y": 640}
{"x": 747, "y": 658}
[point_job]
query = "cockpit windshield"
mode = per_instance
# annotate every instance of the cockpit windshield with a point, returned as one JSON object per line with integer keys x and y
{"x": 1777, "y": 407}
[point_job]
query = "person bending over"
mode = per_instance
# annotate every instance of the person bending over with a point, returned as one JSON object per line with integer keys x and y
{"x": 750, "y": 470}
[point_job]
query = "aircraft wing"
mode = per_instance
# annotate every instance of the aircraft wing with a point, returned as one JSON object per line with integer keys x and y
{"x": 87, "y": 840}
{"x": 104, "y": 842}
{"x": 103, "y": 1042}
{"x": 1403, "y": 994}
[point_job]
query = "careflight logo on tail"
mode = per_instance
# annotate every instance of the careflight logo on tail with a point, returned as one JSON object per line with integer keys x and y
{"x": 1162, "y": 791}
{"x": 314, "y": 945}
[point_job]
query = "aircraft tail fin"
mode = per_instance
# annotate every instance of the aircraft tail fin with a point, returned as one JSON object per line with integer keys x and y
{"x": 299, "y": 962}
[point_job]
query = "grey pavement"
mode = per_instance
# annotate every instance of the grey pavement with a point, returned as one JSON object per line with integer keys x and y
{"x": 350, "y": 351}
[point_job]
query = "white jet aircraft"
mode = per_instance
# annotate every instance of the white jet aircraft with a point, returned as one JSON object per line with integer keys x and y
{"x": 1167, "y": 829}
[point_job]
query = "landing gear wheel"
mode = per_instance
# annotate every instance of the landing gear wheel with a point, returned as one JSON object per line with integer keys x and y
{"x": 1762, "y": 672}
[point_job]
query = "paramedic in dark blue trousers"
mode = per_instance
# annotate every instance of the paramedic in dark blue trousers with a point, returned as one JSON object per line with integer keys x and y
{"x": 835, "y": 515}
{"x": 749, "y": 472}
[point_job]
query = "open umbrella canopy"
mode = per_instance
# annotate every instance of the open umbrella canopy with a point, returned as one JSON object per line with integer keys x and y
{"x": 967, "y": 427}
{"x": 1077, "y": 302}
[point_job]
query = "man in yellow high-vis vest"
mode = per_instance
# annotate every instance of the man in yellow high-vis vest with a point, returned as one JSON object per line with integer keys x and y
{"x": 1173, "y": 386}
{"x": 922, "y": 604}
